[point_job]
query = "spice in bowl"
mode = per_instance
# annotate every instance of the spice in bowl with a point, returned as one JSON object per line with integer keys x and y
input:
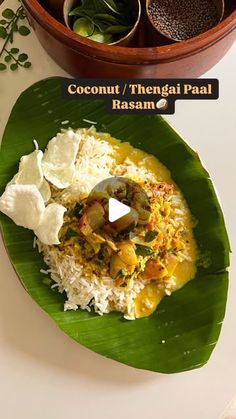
{"x": 180, "y": 20}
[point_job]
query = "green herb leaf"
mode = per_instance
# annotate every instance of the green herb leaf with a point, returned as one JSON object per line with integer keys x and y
{"x": 27, "y": 64}
{"x": 117, "y": 29}
{"x": 77, "y": 211}
{"x": 100, "y": 37}
{"x": 7, "y": 32}
{"x": 2, "y": 67}
{"x": 111, "y": 5}
{"x": 23, "y": 30}
{"x": 93, "y": 6}
{"x": 101, "y": 19}
{"x": 101, "y": 254}
{"x": 143, "y": 250}
{"x": 22, "y": 57}
{"x": 14, "y": 27}
{"x": 106, "y": 18}
{"x": 78, "y": 11}
{"x": 7, "y": 59}
{"x": 70, "y": 233}
{"x": 150, "y": 236}
{"x": 3, "y": 32}
{"x": 8, "y": 13}
{"x": 83, "y": 27}
{"x": 100, "y": 27}
{"x": 14, "y": 50}
{"x": 14, "y": 66}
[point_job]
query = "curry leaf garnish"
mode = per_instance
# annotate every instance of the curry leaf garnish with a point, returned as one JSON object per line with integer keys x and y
{"x": 101, "y": 254}
{"x": 150, "y": 236}
{"x": 143, "y": 250}
{"x": 70, "y": 233}
{"x": 77, "y": 211}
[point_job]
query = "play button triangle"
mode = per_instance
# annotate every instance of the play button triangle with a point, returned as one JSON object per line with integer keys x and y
{"x": 117, "y": 209}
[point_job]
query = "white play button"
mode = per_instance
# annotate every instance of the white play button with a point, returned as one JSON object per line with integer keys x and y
{"x": 117, "y": 210}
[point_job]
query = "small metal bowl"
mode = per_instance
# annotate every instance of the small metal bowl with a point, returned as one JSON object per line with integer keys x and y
{"x": 220, "y": 7}
{"x": 125, "y": 40}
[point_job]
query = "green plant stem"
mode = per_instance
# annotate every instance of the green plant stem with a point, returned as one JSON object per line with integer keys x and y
{"x": 9, "y": 35}
{"x": 4, "y": 45}
{"x": 12, "y": 56}
{"x": 11, "y": 22}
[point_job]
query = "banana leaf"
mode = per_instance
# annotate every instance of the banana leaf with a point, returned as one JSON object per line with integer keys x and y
{"x": 184, "y": 329}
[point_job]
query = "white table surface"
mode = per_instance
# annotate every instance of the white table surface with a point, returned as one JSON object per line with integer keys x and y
{"x": 46, "y": 375}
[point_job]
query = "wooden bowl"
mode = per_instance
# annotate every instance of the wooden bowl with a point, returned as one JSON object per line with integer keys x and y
{"x": 82, "y": 57}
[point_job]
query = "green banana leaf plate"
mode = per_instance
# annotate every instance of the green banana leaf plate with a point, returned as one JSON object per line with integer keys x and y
{"x": 183, "y": 331}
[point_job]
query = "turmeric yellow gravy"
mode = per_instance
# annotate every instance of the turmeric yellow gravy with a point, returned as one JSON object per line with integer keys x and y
{"x": 148, "y": 299}
{"x": 130, "y": 264}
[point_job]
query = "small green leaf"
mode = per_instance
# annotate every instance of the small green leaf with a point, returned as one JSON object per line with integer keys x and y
{"x": 8, "y": 13}
{"x": 105, "y": 17}
{"x": 78, "y": 209}
{"x": 14, "y": 27}
{"x": 23, "y": 30}
{"x": 7, "y": 59}
{"x": 143, "y": 250}
{"x": 22, "y": 57}
{"x": 102, "y": 252}
{"x": 78, "y": 11}
{"x": 14, "y": 50}
{"x": 3, "y": 22}
{"x": 14, "y": 66}
{"x": 27, "y": 64}
{"x": 3, "y": 32}
{"x": 150, "y": 236}
{"x": 111, "y": 5}
{"x": 2, "y": 67}
{"x": 103, "y": 38}
{"x": 83, "y": 27}
{"x": 117, "y": 29}
{"x": 70, "y": 233}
